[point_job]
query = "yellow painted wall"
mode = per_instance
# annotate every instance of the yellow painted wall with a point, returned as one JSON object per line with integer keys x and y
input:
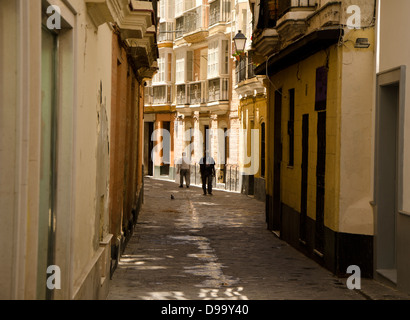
{"x": 302, "y": 78}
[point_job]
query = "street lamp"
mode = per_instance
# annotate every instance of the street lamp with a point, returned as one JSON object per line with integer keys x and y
{"x": 240, "y": 42}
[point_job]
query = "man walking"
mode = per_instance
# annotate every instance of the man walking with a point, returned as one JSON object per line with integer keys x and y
{"x": 184, "y": 171}
{"x": 207, "y": 168}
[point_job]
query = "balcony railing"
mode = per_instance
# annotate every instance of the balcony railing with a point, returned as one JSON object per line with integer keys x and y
{"x": 195, "y": 19}
{"x": 179, "y": 27}
{"x": 244, "y": 69}
{"x": 218, "y": 89}
{"x": 197, "y": 92}
{"x": 182, "y": 94}
{"x": 285, "y": 6}
{"x": 161, "y": 94}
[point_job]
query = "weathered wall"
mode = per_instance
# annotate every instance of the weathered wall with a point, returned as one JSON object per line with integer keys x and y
{"x": 356, "y": 118}
{"x": 82, "y": 115}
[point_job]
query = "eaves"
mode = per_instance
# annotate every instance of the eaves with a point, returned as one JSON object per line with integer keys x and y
{"x": 300, "y": 50}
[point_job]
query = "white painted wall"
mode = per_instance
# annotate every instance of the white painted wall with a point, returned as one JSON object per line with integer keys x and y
{"x": 394, "y": 52}
{"x": 84, "y": 61}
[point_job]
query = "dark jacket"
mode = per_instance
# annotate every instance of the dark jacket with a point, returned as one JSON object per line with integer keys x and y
{"x": 207, "y": 166}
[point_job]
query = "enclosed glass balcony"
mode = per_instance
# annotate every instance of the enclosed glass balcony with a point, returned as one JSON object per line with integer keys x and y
{"x": 219, "y": 11}
{"x": 284, "y": 6}
{"x": 218, "y": 89}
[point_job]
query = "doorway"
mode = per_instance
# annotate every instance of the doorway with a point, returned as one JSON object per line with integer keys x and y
{"x": 277, "y": 162}
{"x": 48, "y": 174}
{"x": 388, "y": 168}
{"x": 166, "y": 148}
{"x": 304, "y": 180}
{"x": 320, "y": 184}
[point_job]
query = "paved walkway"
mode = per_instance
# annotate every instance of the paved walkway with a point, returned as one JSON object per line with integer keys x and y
{"x": 199, "y": 247}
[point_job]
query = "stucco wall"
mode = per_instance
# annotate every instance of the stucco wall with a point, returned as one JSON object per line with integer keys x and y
{"x": 356, "y": 114}
{"x": 394, "y": 52}
{"x": 302, "y": 78}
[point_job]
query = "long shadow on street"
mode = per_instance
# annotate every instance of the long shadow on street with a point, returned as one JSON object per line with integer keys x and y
{"x": 214, "y": 247}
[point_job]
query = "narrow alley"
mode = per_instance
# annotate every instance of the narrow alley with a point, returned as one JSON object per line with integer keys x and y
{"x": 197, "y": 247}
{"x": 295, "y": 112}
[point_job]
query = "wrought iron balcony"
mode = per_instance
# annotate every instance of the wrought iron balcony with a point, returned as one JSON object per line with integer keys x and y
{"x": 247, "y": 83}
{"x": 244, "y": 69}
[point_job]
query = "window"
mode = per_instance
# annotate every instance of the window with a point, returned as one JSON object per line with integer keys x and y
{"x": 291, "y": 127}
{"x": 213, "y": 59}
{"x": 166, "y": 31}
{"x": 218, "y": 89}
{"x": 160, "y": 95}
{"x": 214, "y": 13}
{"x": 178, "y": 7}
{"x": 179, "y": 27}
{"x": 214, "y": 90}
{"x": 190, "y": 22}
{"x": 162, "y": 8}
{"x": 195, "y": 92}
{"x": 169, "y": 76}
{"x": 189, "y": 65}
{"x": 160, "y": 76}
{"x": 181, "y": 94}
{"x": 180, "y": 67}
{"x": 225, "y": 47}
{"x": 161, "y": 73}
{"x": 219, "y": 11}
{"x": 244, "y": 21}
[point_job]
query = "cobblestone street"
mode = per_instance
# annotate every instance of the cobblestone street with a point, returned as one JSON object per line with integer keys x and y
{"x": 199, "y": 247}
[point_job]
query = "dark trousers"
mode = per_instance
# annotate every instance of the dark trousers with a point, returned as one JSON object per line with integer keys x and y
{"x": 207, "y": 180}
